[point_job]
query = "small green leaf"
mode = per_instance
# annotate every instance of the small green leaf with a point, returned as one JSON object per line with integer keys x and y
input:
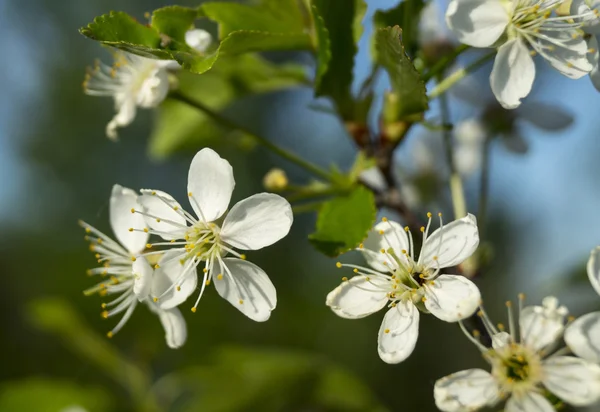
{"x": 405, "y": 15}
{"x": 337, "y": 33}
{"x": 344, "y": 222}
{"x": 409, "y": 95}
{"x": 122, "y": 31}
{"x": 281, "y": 16}
{"x": 174, "y": 21}
{"x": 51, "y": 395}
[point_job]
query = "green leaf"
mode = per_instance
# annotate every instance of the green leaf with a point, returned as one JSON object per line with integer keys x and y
{"x": 174, "y": 21}
{"x": 337, "y": 29}
{"x": 344, "y": 222}
{"x": 406, "y": 15}
{"x": 281, "y": 16}
{"x": 51, "y": 395}
{"x": 409, "y": 95}
{"x": 118, "y": 29}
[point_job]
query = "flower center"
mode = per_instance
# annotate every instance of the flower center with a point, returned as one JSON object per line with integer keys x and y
{"x": 203, "y": 241}
{"x": 517, "y": 368}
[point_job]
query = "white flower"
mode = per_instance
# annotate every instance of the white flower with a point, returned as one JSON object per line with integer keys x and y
{"x": 251, "y": 224}
{"x": 583, "y": 335}
{"x": 406, "y": 285}
{"x": 521, "y": 29}
{"x": 522, "y": 371}
{"x": 131, "y": 275}
{"x": 134, "y": 81}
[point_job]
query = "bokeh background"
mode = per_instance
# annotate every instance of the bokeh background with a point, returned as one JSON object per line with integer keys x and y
{"x": 57, "y": 167}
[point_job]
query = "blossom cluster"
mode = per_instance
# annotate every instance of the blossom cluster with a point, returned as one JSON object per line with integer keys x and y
{"x": 163, "y": 274}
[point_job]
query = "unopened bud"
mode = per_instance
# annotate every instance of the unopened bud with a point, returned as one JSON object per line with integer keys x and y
{"x": 275, "y": 180}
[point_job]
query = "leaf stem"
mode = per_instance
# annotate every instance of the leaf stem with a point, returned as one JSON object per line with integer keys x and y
{"x": 456, "y": 187}
{"x": 291, "y": 157}
{"x": 443, "y": 86}
{"x": 484, "y": 185}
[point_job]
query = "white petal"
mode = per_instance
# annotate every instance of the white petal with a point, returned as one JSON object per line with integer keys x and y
{"x": 125, "y": 114}
{"x": 452, "y": 298}
{"x": 163, "y": 216}
{"x": 574, "y": 380}
{"x": 359, "y": 297}
{"x": 155, "y": 86}
{"x": 466, "y": 390}
{"x": 393, "y": 237}
{"x": 142, "y": 278}
{"x": 210, "y": 182}
{"x": 198, "y": 39}
{"x": 594, "y": 60}
{"x": 257, "y": 221}
{"x": 583, "y": 337}
{"x": 593, "y": 269}
{"x": 478, "y": 23}
{"x": 173, "y": 324}
{"x": 572, "y": 60}
{"x": 528, "y": 402}
{"x": 246, "y": 283}
{"x": 545, "y": 116}
{"x": 170, "y": 274}
{"x": 122, "y": 200}
{"x": 402, "y": 326}
{"x": 513, "y": 73}
{"x": 539, "y": 328}
{"x": 451, "y": 244}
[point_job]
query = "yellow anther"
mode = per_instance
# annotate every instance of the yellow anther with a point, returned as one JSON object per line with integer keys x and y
{"x": 421, "y": 276}
{"x": 476, "y": 333}
{"x": 355, "y": 270}
{"x": 435, "y": 258}
{"x": 190, "y": 194}
{"x": 104, "y": 314}
{"x": 176, "y": 207}
{"x": 132, "y": 210}
{"x": 521, "y": 296}
{"x": 157, "y": 266}
{"x": 344, "y": 279}
{"x": 155, "y": 299}
{"x": 103, "y": 306}
{"x": 422, "y": 229}
{"x": 89, "y": 272}
{"x": 386, "y": 331}
{"x": 338, "y": 265}
{"x": 131, "y": 229}
{"x": 172, "y": 241}
{"x": 157, "y": 220}
{"x": 423, "y": 299}
{"x": 153, "y": 193}
{"x": 208, "y": 282}
{"x": 194, "y": 310}
{"x": 406, "y": 228}
{"x": 241, "y": 301}
{"x": 480, "y": 314}
{"x": 429, "y": 215}
{"x": 382, "y": 250}
{"x": 178, "y": 288}
{"x": 368, "y": 279}
{"x": 591, "y": 50}
{"x": 501, "y": 327}
{"x": 204, "y": 270}
{"x": 440, "y": 214}
{"x": 148, "y": 245}
{"x": 146, "y": 230}
{"x": 103, "y": 292}
{"x": 133, "y": 259}
{"x": 243, "y": 257}
{"x": 88, "y": 230}
{"x": 381, "y": 232}
{"x": 394, "y": 286}
{"x": 220, "y": 276}
{"x": 571, "y": 318}
{"x": 361, "y": 246}
{"x": 508, "y": 304}
{"x": 404, "y": 252}
{"x": 384, "y": 219}
{"x": 110, "y": 335}
{"x": 99, "y": 241}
